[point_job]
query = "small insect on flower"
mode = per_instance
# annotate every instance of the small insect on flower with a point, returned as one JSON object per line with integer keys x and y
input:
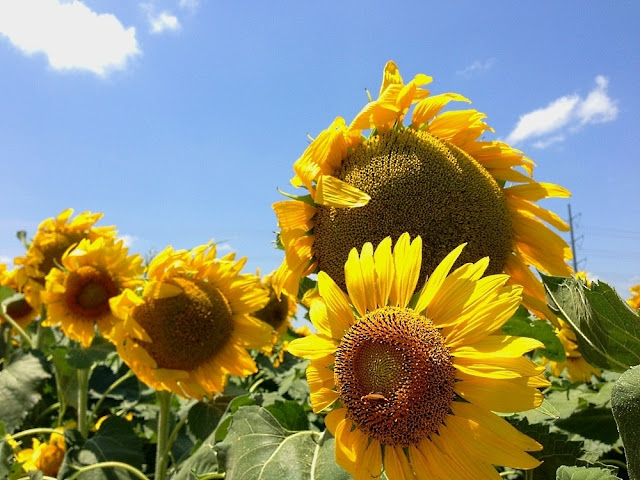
{"x": 373, "y": 396}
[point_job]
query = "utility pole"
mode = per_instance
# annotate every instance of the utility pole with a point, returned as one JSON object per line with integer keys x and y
{"x": 573, "y": 241}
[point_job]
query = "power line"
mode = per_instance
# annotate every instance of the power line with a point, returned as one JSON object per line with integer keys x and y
{"x": 573, "y": 240}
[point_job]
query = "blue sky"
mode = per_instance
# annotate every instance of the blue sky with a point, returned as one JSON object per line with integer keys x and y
{"x": 179, "y": 119}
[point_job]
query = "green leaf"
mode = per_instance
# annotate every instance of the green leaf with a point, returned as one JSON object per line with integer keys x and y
{"x": 6, "y": 292}
{"x": 523, "y": 326}
{"x": 607, "y": 330}
{"x": 291, "y": 415}
{"x": 20, "y": 383}
{"x": 80, "y": 358}
{"x": 115, "y": 441}
{"x": 257, "y": 447}
{"x": 625, "y": 403}
{"x": 203, "y": 417}
{"x": 584, "y": 473}
{"x": 593, "y": 423}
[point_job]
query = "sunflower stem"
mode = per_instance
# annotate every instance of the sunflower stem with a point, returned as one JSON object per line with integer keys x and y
{"x": 111, "y": 388}
{"x": 528, "y": 474}
{"x": 83, "y": 389}
{"x": 162, "y": 452}
{"x": 137, "y": 473}
{"x": 18, "y": 328}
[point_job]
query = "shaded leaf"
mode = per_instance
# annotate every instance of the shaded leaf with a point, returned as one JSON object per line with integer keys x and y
{"x": 625, "y": 403}
{"x": 79, "y": 357}
{"x": 257, "y": 447}
{"x": 115, "y": 441}
{"x": 521, "y": 325}
{"x": 607, "y": 330}
{"x": 20, "y": 383}
{"x": 205, "y": 416}
{"x": 584, "y": 473}
{"x": 594, "y": 423}
{"x": 291, "y": 415}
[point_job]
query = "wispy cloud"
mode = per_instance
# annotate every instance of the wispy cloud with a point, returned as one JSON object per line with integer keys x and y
{"x": 567, "y": 113}
{"x": 163, "y": 21}
{"x": 189, "y": 4}
{"x": 128, "y": 240}
{"x": 70, "y": 34}
{"x": 477, "y": 66}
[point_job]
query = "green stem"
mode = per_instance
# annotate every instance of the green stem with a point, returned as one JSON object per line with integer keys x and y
{"x": 528, "y": 474}
{"x": 47, "y": 411}
{"x": 613, "y": 461}
{"x": 83, "y": 389}
{"x": 111, "y": 388}
{"x": 162, "y": 452}
{"x": 212, "y": 476}
{"x": 124, "y": 466}
{"x": 174, "y": 433}
{"x": 33, "y": 431}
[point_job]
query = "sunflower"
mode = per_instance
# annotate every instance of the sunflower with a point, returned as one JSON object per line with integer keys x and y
{"x": 52, "y": 239}
{"x": 433, "y": 177}
{"x": 77, "y": 298}
{"x": 415, "y": 376}
{"x": 23, "y": 310}
{"x": 278, "y": 312}
{"x": 578, "y": 369}
{"x": 634, "y": 301}
{"x": 46, "y": 457}
{"x": 194, "y": 323}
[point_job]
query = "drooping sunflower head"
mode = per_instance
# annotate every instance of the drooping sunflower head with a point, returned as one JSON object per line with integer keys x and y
{"x": 278, "y": 312}
{"x": 46, "y": 457}
{"x": 577, "y": 367}
{"x": 413, "y": 376}
{"x": 25, "y": 308}
{"x": 54, "y": 237}
{"x": 433, "y": 177}
{"x": 634, "y": 301}
{"x": 77, "y": 297}
{"x": 194, "y": 322}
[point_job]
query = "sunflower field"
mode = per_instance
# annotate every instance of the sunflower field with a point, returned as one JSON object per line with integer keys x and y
{"x": 425, "y": 323}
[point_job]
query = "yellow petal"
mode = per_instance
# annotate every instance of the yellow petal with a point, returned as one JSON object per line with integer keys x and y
{"x": 394, "y": 466}
{"x": 154, "y": 289}
{"x": 333, "y": 192}
{"x": 375, "y": 115}
{"x": 390, "y": 76}
{"x": 385, "y": 271}
{"x": 369, "y": 277}
{"x": 537, "y": 191}
{"x": 470, "y": 465}
{"x": 407, "y": 259}
{"x": 355, "y": 282}
{"x": 338, "y": 309}
{"x": 371, "y": 464}
{"x": 426, "y": 109}
{"x": 293, "y": 214}
{"x": 323, "y": 398}
{"x": 313, "y": 346}
{"x": 437, "y": 278}
{"x": 497, "y": 346}
{"x": 505, "y": 396}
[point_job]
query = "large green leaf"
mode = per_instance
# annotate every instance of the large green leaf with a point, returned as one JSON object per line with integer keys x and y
{"x": 521, "y": 325}
{"x": 79, "y": 357}
{"x": 584, "y": 473}
{"x": 20, "y": 383}
{"x": 115, "y": 441}
{"x": 607, "y": 330}
{"x": 257, "y": 447}
{"x": 625, "y": 403}
{"x": 593, "y": 423}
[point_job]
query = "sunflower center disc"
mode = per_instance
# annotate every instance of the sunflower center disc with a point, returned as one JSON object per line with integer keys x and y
{"x": 89, "y": 290}
{"x": 421, "y": 185}
{"x": 395, "y": 376}
{"x": 54, "y": 247}
{"x": 188, "y": 329}
{"x": 275, "y": 312}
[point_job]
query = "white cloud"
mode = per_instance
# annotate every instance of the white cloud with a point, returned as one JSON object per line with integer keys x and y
{"x": 6, "y": 260}
{"x": 477, "y": 66}
{"x": 570, "y": 112}
{"x": 128, "y": 240}
{"x": 163, "y": 21}
{"x": 223, "y": 247}
{"x": 71, "y": 35}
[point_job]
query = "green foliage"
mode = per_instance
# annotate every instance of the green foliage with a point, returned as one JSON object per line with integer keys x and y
{"x": 115, "y": 441}
{"x": 584, "y": 473}
{"x": 523, "y": 325}
{"x": 625, "y": 403}
{"x": 607, "y": 330}
{"x": 257, "y": 447}
{"x": 20, "y": 383}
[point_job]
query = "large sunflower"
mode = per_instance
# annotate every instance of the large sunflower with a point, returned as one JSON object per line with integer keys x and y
{"x": 194, "y": 323}
{"x": 433, "y": 178}
{"x": 77, "y": 298}
{"x": 415, "y": 379}
{"x": 634, "y": 301}
{"x": 52, "y": 239}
